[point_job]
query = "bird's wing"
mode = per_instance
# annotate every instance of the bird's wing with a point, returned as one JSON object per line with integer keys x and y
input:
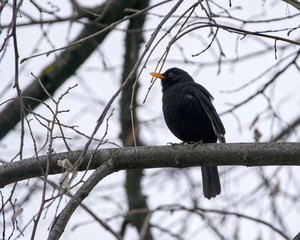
{"x": 205, "y": 99}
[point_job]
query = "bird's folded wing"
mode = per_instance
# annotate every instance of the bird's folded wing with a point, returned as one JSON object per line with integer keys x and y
{"x": 205, "y": 99}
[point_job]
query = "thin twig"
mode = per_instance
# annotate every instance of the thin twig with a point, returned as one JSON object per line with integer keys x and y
{"x": 80, "y": 41}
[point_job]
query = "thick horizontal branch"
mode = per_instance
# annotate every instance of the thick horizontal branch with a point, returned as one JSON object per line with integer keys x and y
{"x": 177, "y": 156}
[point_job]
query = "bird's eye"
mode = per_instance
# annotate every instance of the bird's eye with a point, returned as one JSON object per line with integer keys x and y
{"x": 170, "y": 75}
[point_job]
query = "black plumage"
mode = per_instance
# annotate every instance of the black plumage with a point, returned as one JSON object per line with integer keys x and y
{"x": 191, "y": 117}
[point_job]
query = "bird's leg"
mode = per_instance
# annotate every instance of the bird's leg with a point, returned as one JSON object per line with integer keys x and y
{"x": 174, "y": 144}
{"x": 196, "y": 143}
{"x": 186, "y": 142}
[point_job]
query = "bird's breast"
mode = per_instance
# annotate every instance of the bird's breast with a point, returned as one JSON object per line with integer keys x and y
{"x": 184, "y": 105}
{"x": 185, "y": 116}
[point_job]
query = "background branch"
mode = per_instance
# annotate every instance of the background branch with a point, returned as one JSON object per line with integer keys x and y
{"x": 284, "y": 133}
{"x": 294, "y": 3}
{"x": 130, "y": 124}
{"x": 65, "y": 65}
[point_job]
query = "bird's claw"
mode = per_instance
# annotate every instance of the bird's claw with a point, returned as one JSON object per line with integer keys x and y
{"x": 193, "y": 142}
{"x": 174, "y": 144}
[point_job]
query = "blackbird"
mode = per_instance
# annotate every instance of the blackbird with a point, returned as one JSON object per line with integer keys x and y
{"x": 191, "y": 117}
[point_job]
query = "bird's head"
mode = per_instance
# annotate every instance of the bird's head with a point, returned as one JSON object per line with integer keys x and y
{"x": 172, "y": 76}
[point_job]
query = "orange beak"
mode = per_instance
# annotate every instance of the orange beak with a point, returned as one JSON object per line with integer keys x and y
{"x": 157, "y": 75}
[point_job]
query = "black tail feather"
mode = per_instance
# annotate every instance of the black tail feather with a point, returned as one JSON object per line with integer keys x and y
{"x": 211, "y": 182}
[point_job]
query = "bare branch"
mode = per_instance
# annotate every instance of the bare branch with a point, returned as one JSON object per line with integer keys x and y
{"x": 286, "y": 131}
{"x": 63, "y": 218}
{"x": 294, "y": 3}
